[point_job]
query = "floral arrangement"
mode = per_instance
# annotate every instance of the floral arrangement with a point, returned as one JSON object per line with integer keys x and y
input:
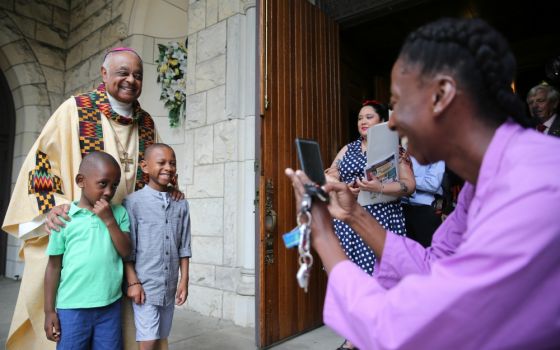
{"x": 171, "y": 69}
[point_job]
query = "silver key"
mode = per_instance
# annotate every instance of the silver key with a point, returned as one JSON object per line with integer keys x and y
{"x": 303, "y": 276}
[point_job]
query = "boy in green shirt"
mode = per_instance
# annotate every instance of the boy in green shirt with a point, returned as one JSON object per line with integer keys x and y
{"x": 85, "y": 269}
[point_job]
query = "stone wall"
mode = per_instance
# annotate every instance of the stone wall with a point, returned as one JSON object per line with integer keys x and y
{"x": 51, "y": 49}
{"x": 94, "y": 26}
{"x": 97, "y": 25}
{"x": 151, "y": 23}
{"x": 32, "y": 53}
{"x": 220, "y": 142}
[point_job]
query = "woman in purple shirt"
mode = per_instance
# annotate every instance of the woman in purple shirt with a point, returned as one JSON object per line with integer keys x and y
{"x": 490, "y": 279}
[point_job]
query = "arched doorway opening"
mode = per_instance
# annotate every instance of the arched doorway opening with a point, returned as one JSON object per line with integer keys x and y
{"x": 7, "y": 120}
{"x": 370, "y": 41}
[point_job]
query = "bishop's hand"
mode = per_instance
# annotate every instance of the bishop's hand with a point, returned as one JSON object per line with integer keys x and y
{"x": 53, "y": 219}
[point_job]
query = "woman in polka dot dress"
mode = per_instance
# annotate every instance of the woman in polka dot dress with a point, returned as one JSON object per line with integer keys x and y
{"x": 348, "y": 166}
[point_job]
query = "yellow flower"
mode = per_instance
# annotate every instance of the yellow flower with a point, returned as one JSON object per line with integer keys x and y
{"x": 163, "y": 68}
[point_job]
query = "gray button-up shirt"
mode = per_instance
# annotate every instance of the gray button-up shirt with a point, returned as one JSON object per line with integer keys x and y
{"x": 160, "y": 231}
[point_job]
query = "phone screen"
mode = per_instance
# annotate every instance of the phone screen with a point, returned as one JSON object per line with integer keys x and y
{"x": 309, "y": 155}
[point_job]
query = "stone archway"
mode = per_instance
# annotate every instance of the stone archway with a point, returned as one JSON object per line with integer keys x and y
{"x": 150, "y": 23}
{"x": 25, "y": 94}
{"x": 7, "y": 119}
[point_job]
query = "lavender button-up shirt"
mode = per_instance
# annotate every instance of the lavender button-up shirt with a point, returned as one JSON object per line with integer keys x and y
{"x": 491, "y": 279}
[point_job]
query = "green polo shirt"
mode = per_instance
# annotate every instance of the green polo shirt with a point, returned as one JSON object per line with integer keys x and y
{"x": 92, "y": 270}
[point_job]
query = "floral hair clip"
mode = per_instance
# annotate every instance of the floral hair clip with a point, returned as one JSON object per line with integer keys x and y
{"x": 370, "y": 103}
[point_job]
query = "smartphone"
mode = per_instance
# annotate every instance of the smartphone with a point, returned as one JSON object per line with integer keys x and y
{"x": 309, "y": 155}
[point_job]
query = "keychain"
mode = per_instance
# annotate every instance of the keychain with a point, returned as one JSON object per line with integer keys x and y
{"x": 304, "y": 246}
{"x": 305, "y": 257}
{"x": 300, "y": 236}
{"x": 292, "y": 238}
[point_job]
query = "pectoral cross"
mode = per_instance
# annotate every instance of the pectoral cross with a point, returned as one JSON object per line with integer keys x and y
{"x": 126, "y": 161}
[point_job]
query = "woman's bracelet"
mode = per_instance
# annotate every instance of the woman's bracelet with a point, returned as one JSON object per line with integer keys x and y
{"x": 133, "y": 284}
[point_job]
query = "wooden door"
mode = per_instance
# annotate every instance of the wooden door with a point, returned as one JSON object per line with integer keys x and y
{"x": 299, "y": 97}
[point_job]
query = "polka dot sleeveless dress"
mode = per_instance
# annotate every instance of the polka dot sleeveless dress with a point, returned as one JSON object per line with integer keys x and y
{"x": 389, "y": 215}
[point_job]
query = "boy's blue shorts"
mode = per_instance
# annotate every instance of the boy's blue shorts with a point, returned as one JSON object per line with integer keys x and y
{"x": 96, "y": 328}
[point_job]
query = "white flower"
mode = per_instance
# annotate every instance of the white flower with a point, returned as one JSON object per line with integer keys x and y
{"x": 172, "y": 68}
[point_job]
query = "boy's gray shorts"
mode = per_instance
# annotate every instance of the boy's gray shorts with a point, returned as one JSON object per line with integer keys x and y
{"x": 152, "y": 322}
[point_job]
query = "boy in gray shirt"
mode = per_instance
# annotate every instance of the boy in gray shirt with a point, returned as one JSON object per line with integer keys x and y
{"x": 160, "y": 233}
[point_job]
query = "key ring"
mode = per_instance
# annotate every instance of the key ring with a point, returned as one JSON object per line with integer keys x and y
{"x": 305, "y": 238}
{"x": 306, "y": 258}
{"x": 306, "y": 215}
{"x": 305, "y": 203}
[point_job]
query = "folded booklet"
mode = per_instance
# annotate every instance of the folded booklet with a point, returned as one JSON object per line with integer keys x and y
{"x": 382, "y": 162}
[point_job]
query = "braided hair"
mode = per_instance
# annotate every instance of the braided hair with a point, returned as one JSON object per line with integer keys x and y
{"x": 480, "y": 59}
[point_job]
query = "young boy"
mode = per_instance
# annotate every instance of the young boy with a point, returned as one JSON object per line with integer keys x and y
{"x": 161, "y": 246}
{"x": 85, "y": 270}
